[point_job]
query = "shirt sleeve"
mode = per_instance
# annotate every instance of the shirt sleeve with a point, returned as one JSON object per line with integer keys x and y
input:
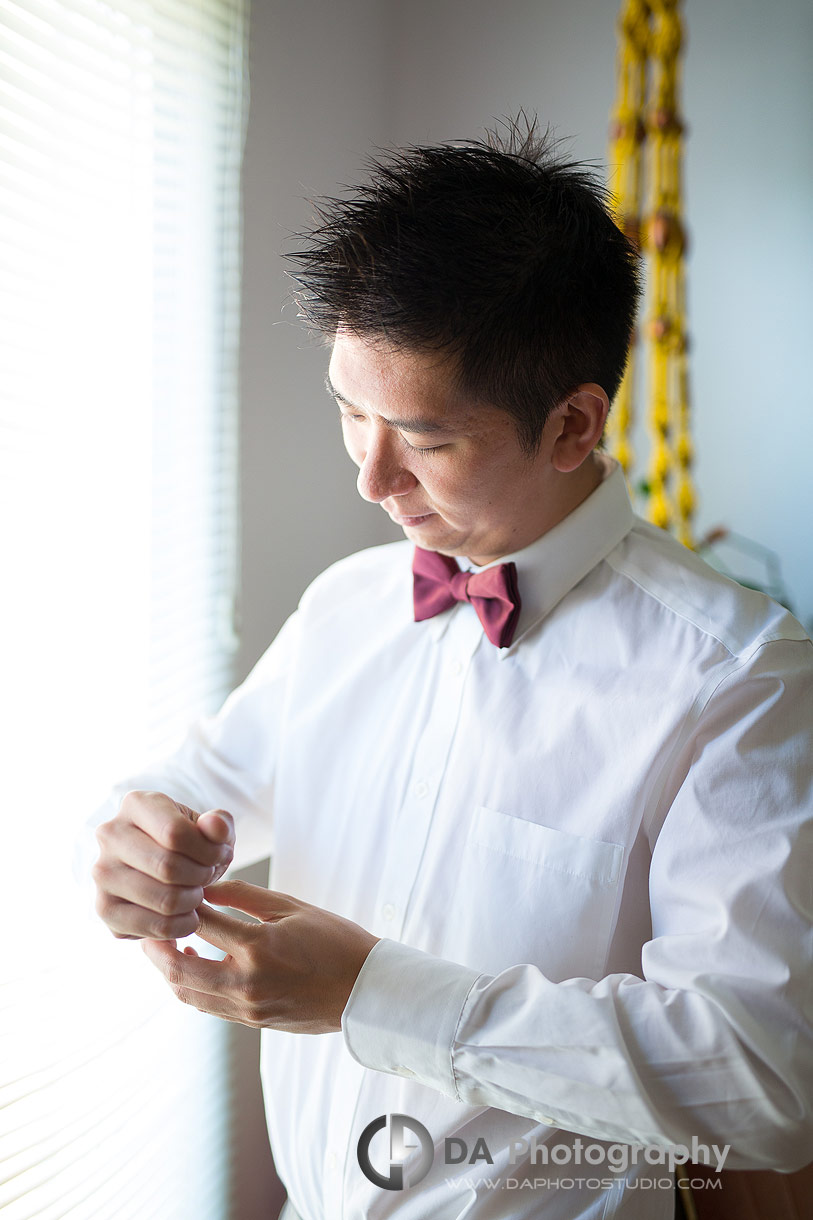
{"x": 714, "y": 1041}
{"x": 226, "y": 761}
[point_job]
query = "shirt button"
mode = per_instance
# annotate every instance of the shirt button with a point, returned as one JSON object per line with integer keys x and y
{"x": 546, "y": 1119}
{"x": 456, "y": 668}
{"x": 388, "y": 911}
{"x": 421, "y": 789}
{"x": 331, "y": 1160}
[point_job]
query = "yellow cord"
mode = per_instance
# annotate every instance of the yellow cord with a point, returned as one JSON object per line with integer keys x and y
{"x": 646, "y": 136}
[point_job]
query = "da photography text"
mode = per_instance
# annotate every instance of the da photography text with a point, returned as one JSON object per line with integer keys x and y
{"x": 385, "y": 1165}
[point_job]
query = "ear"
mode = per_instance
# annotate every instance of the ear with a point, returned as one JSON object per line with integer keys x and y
{"x": 581, "y": 419}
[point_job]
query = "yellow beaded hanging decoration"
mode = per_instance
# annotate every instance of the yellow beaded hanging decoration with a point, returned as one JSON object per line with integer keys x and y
{"x": 646, "y": 152}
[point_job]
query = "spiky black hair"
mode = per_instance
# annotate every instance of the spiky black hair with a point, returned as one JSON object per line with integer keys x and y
{"x": 496, "y": 251}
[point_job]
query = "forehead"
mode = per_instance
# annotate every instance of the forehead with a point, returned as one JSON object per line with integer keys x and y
{"x": 400, "y": 385}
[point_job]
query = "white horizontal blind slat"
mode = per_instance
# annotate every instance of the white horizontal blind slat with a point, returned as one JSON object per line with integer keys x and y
{"x": 121, "y": 129}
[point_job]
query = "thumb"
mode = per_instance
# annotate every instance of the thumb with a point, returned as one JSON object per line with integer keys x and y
{"x": 217, "y": 826}
{"x": 253, "y": 899}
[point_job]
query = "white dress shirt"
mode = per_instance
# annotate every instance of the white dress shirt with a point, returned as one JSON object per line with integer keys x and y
{"x": 584, "y": 854}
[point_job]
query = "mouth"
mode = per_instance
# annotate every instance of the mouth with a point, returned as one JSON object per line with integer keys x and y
{"x": 411, "y": 521}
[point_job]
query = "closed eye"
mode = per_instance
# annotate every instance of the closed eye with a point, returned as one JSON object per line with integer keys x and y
{"x": 347, "y": 415}
{"x": 422, "y": 448}
{"x": 351, "y": 415}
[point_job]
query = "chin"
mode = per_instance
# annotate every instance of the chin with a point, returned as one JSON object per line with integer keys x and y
{"x": 436, "y": 536}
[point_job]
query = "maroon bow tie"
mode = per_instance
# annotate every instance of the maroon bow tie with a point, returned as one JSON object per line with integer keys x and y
{"x": 439, "y": 583}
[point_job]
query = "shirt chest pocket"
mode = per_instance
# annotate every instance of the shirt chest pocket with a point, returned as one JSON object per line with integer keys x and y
{"x": 526, "y": 893}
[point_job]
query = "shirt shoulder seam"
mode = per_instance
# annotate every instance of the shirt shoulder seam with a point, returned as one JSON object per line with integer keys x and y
{"x": 744, "y": 652}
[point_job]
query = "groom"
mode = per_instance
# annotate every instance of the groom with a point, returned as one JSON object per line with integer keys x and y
{"x": 535, "y": 780}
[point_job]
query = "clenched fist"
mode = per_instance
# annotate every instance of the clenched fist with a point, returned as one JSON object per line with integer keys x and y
{"x": 155, "y": 858}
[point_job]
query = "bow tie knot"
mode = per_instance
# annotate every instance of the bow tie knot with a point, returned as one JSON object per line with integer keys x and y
{"x": 459, "y": 584}
{"x": 439, "y": 584}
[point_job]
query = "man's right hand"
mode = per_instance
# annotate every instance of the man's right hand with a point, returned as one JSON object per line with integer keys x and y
{"x": 156, "y": 856}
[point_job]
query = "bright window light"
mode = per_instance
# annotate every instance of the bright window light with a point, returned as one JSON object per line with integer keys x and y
{"x": 121, "y": 131}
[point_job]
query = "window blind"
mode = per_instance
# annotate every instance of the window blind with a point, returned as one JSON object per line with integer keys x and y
{"x": 121, "y": 132}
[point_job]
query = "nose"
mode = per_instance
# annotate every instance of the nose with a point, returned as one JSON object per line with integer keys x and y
{"x": 381, "y": 469}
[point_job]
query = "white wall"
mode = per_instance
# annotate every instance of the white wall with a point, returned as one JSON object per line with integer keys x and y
{"x": 749, "y": 92}
{"x": 319, "y": 101}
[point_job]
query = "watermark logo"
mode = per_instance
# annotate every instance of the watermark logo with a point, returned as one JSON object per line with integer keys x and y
{"x": 619, "y": 1158}
{"x": 399, "y": 1150}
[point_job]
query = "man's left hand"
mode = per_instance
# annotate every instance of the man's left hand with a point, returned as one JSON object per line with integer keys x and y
{"x": 292, "y": 969}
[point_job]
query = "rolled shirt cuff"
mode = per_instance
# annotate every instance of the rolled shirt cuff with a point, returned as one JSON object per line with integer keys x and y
{"x": 403, "y": 1014}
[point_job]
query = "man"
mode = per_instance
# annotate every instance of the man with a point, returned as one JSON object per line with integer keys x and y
{"x": 536, "y": 807}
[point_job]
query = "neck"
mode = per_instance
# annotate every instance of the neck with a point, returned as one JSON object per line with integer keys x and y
{"x": 563, "y": 493}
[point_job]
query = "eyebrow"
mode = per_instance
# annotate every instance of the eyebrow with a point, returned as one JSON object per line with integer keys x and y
{"x": 405, "y": 425}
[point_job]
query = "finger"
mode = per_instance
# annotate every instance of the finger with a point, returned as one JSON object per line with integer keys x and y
{"x": 125, "y": 846}
{"x": 254, "y": 899}
{"x": 217, "y": 826}
{"x": 173, "y": 827}
{"x": 223, "y": 931}
{"x": 128, "y": 921}
{"x": 186, "y": 972}
{"x": 122, "y": 843}
{"x": 122, "y": 881}
{"x": 190, "y": 952}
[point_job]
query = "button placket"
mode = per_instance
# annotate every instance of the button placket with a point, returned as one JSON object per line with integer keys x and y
{"x": 429, "y": 765}
{"x": 403, "y": 862}
{"x": 341, "y": 1151}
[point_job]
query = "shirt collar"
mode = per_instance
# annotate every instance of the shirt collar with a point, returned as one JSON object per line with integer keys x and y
{"x": 553, "y": 565}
